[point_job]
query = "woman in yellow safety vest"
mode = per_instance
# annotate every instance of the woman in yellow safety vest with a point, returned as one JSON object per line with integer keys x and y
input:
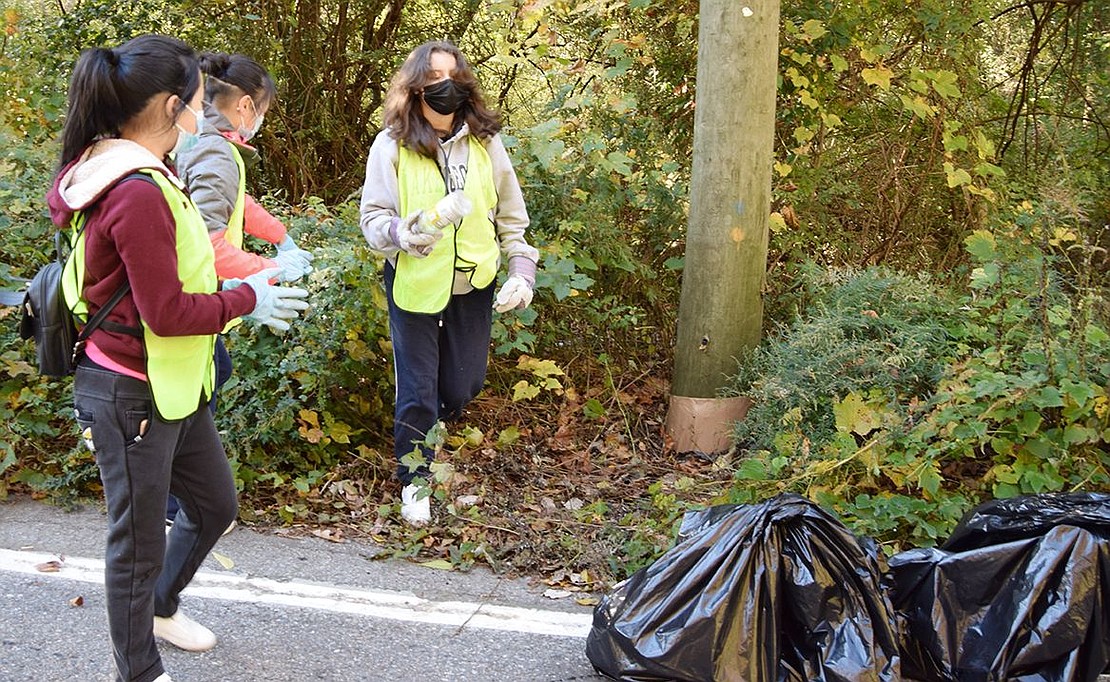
{"x": 441, "y": 139}
{"x": 238, "y": 92}
{"x": 146, "y": 373}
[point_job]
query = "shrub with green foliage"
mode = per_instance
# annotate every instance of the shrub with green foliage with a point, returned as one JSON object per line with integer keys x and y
{"x": 304, "y": 404}
{"x": 902, "y": 428}
{"x": 876, "y": 334}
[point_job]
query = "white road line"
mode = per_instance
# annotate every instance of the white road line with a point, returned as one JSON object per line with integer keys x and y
{"x": 364, "y": 602}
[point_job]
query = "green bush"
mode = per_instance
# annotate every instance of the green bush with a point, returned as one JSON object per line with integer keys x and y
{"x": 872, "y": 333}
{"x": 302, "y": 406}
{"x": 903, "y": 424}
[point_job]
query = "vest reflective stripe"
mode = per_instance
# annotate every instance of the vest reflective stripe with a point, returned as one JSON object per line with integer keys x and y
{"x": 423, "y": 285}
{"x": 179, "y": 369}
{"x": 234, "y": 234}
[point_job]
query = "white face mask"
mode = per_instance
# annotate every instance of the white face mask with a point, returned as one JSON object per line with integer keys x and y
{"x": 248, "y": 133}
{"x": 187, "y": 140}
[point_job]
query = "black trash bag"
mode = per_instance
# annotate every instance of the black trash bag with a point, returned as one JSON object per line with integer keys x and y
{"x": 1020, "y": 591}
{"x": 772, "y": 591}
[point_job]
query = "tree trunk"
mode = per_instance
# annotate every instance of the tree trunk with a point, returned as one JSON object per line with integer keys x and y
{"x": 721, "y": 311}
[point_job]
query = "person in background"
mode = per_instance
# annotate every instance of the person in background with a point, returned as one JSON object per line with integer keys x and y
{"x": 237, "y": 94}
{"x": 146, "y": 373}
{"x": 441, "y": 138}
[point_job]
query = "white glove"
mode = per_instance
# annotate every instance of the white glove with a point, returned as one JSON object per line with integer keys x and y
{"x": 294, "y": 261}
{"x": 516, "y": 293}
{"x": 293, "y": 264}
{"x": 412, "y": 238}
{"x": 274, "y": 305}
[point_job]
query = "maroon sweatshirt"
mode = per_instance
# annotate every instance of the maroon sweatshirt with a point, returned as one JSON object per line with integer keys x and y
{"x": 130, "y": 236}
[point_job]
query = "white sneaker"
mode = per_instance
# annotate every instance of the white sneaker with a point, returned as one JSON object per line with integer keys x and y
{"x": 416, "y": 505}
{"x": 184, "y": 633}
{"x": 163, "y": 678}
{"x": 231, "y": 527}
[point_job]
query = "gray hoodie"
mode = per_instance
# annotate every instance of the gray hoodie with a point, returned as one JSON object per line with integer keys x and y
{"x": 381, "y": 199}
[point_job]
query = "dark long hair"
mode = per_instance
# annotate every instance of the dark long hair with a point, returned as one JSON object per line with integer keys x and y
{"x": 229, "y": 71}
{"x": 403, "y": 113}
{"x": 109, "y": 87}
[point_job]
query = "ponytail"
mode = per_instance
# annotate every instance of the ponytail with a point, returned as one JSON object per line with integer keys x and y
{"x": 109, "y": 87}
{"x": 235, "y": 75}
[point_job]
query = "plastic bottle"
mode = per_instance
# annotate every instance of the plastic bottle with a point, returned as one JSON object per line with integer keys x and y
{"x": 447, "y": 211}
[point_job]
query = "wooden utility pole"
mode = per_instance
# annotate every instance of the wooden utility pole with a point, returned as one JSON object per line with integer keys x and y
{"x": 721, "y": 310}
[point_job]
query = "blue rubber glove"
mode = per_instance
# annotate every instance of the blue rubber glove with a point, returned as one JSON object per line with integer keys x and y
{"x": 274, "y": 305}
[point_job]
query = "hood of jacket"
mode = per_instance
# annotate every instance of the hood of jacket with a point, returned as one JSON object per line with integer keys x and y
{"x": 98, "y": 168}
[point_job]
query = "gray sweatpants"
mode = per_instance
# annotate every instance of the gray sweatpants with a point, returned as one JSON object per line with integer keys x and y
{"x": 142, "y": 459}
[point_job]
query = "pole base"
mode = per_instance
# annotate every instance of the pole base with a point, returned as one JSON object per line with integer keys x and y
{"x": 704, "y": 425}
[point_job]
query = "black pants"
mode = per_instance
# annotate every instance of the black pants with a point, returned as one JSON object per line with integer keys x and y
{"x": 223, "y": 372}
{"x": 142, "y": 459}
{"x": 440, "y": 365}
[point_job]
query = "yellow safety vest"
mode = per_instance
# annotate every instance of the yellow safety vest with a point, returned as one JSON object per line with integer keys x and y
{"x": 423, "y": 285}
{"x": 234, "y": 234}
{"x": 179, "y": 369}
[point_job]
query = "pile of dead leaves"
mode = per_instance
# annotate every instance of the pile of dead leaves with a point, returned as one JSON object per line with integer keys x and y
{"x": 579, "y": 498}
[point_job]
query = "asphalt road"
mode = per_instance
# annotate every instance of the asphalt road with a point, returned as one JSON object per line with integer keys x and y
{"x": 287, "y": 609}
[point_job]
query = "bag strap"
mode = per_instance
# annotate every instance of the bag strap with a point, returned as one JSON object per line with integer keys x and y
{"x": 98, "y": 320}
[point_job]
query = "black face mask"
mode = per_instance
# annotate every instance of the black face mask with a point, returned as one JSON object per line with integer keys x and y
{"x": 446, "y": 96}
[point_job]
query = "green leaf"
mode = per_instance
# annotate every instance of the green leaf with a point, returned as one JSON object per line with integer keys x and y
{"x": 1049, "y": 396}
{"x": 855, "y": 416}
{"x": 413, "y": 460}
{"x": 987, "y": 170}
{"x": 799, "y": 80}
{"x": 438, "y": 564}
{"x": 879, "y": 76}
{"x": 508, "y": 436}
{"x": 981, "y": 244}
{"x": 547, "y": 151}
{"x": 1094, "y": 335}
{"x": 340, "y": 432}
{"x": 540, "y": 368}
{"x": 1080, "y": 393}
{"x": 523, "y": 390}
{"x": 984, "y": 277}
{"x": 751, "y": 469}
{"x": 955, "y": 143}
{"x": 619, "y": 162}
{"x": 813, "y": 29}
{"x": 442, "y": 472}
{"x": 620, "y": 68}
{"x": 956, "y": 177}
{"x": 944, "y": 82}
{"x": 473, "y": 436}
{"x": 1074, "y": 433}
{"x": 930, "y": 479}
{"x": 919, "y": 108}
{"x": 1030, "y": 423}
{"x": 593, "y": 409}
